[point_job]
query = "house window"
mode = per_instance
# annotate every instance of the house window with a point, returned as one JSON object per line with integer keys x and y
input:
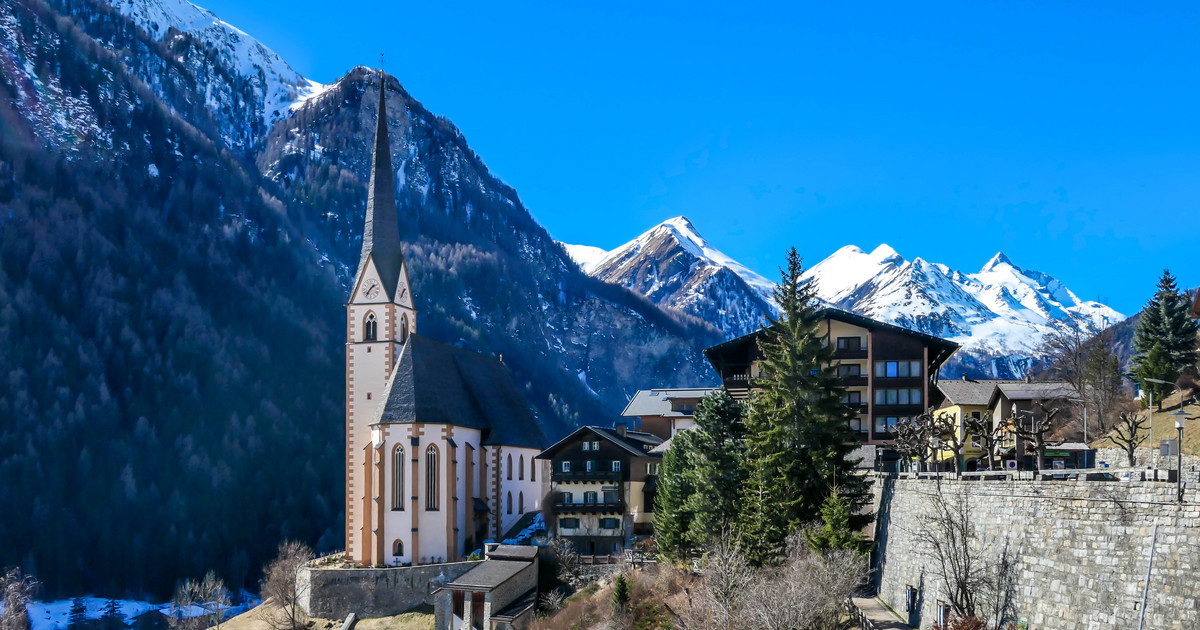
{"x": 587, "y": 446}
{"x": 886, "y": 424}
{"x": 509, "y": 503}
{"x": 858, "y": 425}
{"x": 397, "y": 548}
{"x": 589, "y": 498}
{"x": 398, "y": 478}
{"x": 510, "y": 466}
{"x": 652, "y": 468}
{"x": 566, "y": 466}
{"x": 852, "y": 398}
{"x": 610, "y": 523}
{"x": 616, "y": 465}
{"x": 566, "y": 498}
{"x": 431, "y": 478}
{"x": 590, "y": 465}
{"x": 568, "y": 523}
{"x": 897, "y": 369}
{"x": 943, "y": 613}
{"x": 521, "y": 503}
{"x": 595, "y": 446}
{"x": 521, "y": 469}
{"x": 910, "y": 598}
{"x": 849, "y": 369}
{"x": 370, "y": 328}
{"x": 610, "y": 497}
{"x": 898, "y": 396}
{"x": 976, "y": 442}
{"x": 849, "y": 343}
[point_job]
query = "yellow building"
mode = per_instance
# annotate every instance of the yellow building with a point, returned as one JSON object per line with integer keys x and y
{"x": 965, "y": 398}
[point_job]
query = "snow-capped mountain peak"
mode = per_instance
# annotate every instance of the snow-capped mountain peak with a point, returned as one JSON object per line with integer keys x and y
{"x": 586, "y": 256}
{"x": 278, "y": 87}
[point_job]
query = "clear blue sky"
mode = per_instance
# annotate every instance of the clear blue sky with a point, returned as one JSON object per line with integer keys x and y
{"x": 1065, "y": 135}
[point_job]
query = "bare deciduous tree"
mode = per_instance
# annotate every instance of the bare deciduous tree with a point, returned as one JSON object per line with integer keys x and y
{"x": 912, "y": 440}
{"x": 806, "y": 590}
{"x": 944, "y": 428}
{"x": 727, "y": 577}
{"x": 569, "y": 563}
{"x": 280, "y": 586}
{"x": 989, "y": 433}
{"x": 971, "y": 583}
{"x": 1129, "y": 433}
{"x": 198, "y": 603}
{"x": 16, "y": 589}
{"x": 1037, "y": 426}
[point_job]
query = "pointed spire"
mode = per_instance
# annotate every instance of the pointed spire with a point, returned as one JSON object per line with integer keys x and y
{"x": 381, "y": 234}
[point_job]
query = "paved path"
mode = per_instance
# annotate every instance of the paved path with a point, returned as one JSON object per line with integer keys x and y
{"x": 881, "y": 618}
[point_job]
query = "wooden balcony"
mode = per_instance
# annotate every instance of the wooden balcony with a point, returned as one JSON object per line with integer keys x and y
{"x": 584, "y": 475}
{"x": 611, "y": 507}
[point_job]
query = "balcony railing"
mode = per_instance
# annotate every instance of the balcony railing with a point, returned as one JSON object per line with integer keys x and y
{"x": 611, "y": 507}
{"x": 584, "y": 475}
{"x": 860, "y": 353}
{"x": 855, "y": 380}
{"x": 856, "y": 407}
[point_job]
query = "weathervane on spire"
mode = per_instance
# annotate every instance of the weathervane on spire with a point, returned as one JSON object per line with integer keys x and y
{"x": 381, "y": 62}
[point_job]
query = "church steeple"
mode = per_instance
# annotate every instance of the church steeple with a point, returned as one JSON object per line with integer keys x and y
{"x": 381, "y": 234}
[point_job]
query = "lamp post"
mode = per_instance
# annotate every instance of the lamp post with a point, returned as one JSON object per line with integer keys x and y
{"x": 1179, "y": 416}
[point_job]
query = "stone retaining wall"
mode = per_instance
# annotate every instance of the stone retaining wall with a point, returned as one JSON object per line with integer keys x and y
{"x": 1082, "y": 550}
{"x": 333, "y": 593}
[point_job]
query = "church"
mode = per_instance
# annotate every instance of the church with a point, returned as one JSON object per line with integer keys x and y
{"x": 440, "y": 444}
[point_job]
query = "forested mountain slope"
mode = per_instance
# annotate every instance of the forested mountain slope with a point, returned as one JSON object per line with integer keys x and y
{"x": 171, "y": 320}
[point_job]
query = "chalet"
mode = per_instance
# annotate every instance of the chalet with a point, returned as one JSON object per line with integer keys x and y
{"x": 963, "y": 399}
{"x": 603, "y": 484}
{"x": 889, "y": 372}
{"x": 1026, "y": 402}
{"x": 664, "y": 412}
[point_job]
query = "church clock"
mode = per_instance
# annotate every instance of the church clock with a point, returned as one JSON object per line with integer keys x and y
{"x": 370, "y": 289}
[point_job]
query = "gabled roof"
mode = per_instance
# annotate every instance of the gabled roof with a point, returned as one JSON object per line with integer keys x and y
{"x": 488, "y": 574}
{"x": 850, "y": 318}
{"x": 657, "y": 402}
{"x": 666, "y": 445}
{"x": 633, "y": 441}
{"x": 440, "y": 384}
{"x": 969, "y": 391}
{"x": 381, "y": 232}
{"x": 1035, "y": 390}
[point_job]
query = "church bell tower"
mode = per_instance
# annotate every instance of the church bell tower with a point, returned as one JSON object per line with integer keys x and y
{"x": 380, "y": 317}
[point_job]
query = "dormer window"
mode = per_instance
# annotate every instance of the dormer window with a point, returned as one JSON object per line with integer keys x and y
{"x": 370, "y": 328}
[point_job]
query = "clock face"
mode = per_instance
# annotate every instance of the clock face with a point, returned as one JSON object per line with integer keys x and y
{"x": 371, "y": 289}
{"x": 403, "y": 292}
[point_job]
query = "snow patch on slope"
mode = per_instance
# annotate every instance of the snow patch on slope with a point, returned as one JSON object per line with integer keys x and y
{"x": 283, "y": 90}
{"x": 586, "y": 256}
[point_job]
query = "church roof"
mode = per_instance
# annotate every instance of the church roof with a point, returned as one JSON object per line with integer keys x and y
{"x": 440, "y": 384}
{"x": 381, "y": 232}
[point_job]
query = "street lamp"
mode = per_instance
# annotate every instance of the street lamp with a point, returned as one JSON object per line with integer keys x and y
{"x": 1179, "y": 416}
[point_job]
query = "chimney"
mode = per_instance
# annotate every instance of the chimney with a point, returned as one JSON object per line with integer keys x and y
{"x": 621, "y": 429}
{"x": 964, "y": 377}
{"x": 1028, "y": 378}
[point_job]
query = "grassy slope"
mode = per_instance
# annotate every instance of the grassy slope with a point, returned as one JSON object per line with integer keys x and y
{"x": 1164, "y": 426}
{"x": 256, "y": 619}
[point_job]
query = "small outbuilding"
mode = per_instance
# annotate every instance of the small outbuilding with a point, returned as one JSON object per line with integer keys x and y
{"x": 499, "y": 594}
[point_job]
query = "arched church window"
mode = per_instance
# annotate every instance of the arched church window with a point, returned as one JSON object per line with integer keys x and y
{"x": 398, "y": 478}
{"x": 510, "y": 503}
{"x": 521, "y": 469}
{"x": 398, "y": 548}
{"x": 403, "y": 332}
{"x": 533, "y": 470}
{"x": 370, "y": 328}
{"x": 510, "y": 466}
{"x": 521, "y": 503}
{"x": 431, "y": 478}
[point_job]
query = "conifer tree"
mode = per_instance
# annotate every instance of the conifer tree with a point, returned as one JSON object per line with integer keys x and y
{"x": 797, "y": 428}
{"x": 1157, "y": 365}
{"x": 78, "y": 614}
{"x": 716, "y": 472}
{"x": 1166, "y": 321}
{"x": 620, "y": 595}
{"x": 836, "y": 532}
{"x": 671, "y": 515}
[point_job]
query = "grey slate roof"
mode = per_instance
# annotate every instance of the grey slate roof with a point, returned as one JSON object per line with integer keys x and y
{"x": 969, "y": 391}
{"x": 440, "y": 384}
{"x": 517, "y": 607}
{"x": 514, "y": 552}
{"x": 634, "y": 441}
{"x": 381, "y": 232}
{"x": 657, "y": 402}
{"x": 666, "y": 446}
{"x": 489, "y": 574}
{"x": 1037, "y": 390}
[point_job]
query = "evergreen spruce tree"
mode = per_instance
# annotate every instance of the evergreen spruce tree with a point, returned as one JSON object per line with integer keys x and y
{"x": 836, "y": 532}
{"x": 620, "y": 595}
{"x": 1166, "y": 321}
{"x": 112, "y": 619}
{"x": 797, "y": 428}
{"x": 717, "y": 476}
{"x": 1157, "y": 365}
{"x": 672, "y": 518}
{"x": 78, "y": 614}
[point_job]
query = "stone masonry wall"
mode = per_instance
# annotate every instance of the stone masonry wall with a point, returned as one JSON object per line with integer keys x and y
{"x": 333, "y": 593}
{"x": 1082, "y": 549}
